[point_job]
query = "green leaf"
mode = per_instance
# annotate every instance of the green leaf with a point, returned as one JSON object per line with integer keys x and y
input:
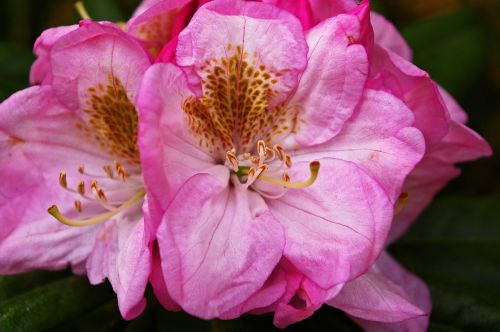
{"x": 451, "y": 47}
{"x": 15, "y": 65}
{"x": 455, "y": 249}
{"x": 52, "y": 304}
{"x": 107, "y": 10}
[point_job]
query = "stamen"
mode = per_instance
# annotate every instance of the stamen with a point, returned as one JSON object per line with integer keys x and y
{"x": 401, "y": 203}
{"x": 80, "y": 8}
{"x": 81, "y": 188}
{"x": 108, "y": 170}
{"x": 288, "y": 161}
{"x": 62, "y": 180}
{"x": 233, "y": 161}
{"x": 314, "y": 168}
{"x": 121, "y": 171}
{"x": 261, "y": 148}
{"x": 81, "y": 170}
{"x": 279, "y": 149}
{"x": 54, "y": 211}
{"x": 270, "y": 155}
{"x": 78, "y": 206}
{"x": 286, "y": 177}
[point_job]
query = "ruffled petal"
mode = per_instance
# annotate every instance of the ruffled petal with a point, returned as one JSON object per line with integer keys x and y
{"x": 394, "y": 277}
{"x": 378, "y": 138}
{"x": 392, "y": 73}
{"x": 387, "y": 36}
{"x": 324, "y": 9}
{"x": 300, "y": 8}
{"x": 333, "y": 82}
{"x": 160, "y": 21}
{"x": 165, "y": 143}
{"x": 93, "y": 58}
{"x": 31, "y": 238}
{"x": 121, "y": 254}
{"x": 336, "y": 227}
{"x": 456, "y": 111}
{"x": 269, "y": 40}
{"x": 372, "y": 296}
{"x": 41, "y": 69}
{"x": 225, "y": 252}
{"x": 424, "y": 182}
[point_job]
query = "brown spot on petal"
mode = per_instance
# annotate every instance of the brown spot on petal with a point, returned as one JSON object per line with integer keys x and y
{"x": 112, "y": 120}
{"x": 234, "y": 110}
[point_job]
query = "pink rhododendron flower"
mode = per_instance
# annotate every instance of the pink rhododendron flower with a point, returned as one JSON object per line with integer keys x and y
{"x": 72, "y": 144}
{"x": 272, "y": 171}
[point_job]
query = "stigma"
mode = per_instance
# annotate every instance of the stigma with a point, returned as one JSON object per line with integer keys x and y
{"x": 250, "y": 168}
{"x": 117, "y": 179}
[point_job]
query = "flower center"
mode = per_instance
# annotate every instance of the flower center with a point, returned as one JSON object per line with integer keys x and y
{"x": 238, "y": 108}
{"x": 250, "y": 168}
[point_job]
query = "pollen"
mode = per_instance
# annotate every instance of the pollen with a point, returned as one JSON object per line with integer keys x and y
{"x": 112, "y": 120}
{"x": 236, "y": 109}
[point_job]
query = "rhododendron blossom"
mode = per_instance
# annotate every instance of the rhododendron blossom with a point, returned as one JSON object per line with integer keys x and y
{"x": 70, "y": 147}
{"x": 271, "y": 170}
{"x": 261, "y": 165}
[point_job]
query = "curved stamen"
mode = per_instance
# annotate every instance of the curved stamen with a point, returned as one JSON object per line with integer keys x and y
{"x": 54, "y": 211}
{"x": 80, "y": 8}
{"x": 314, "y": 168}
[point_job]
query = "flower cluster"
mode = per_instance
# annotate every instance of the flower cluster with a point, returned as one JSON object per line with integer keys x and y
{"x": 239, "y": 156}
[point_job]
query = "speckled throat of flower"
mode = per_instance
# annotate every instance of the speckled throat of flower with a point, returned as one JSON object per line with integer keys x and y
{"x": 111, "y": 120}
{"x": 235, "y": 119}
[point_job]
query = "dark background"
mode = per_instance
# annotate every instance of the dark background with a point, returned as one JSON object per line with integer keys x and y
{"x": 455, "y": 246}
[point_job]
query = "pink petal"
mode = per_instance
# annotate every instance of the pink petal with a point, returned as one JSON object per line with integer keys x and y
{"x": 335, "y": 228}
{"x": 391, "y": 73}
{"x": 33, "y": 123}
{"x": 274, "y": 40}
{"x": 456, "y": 112}
{"x": 333, "y": 82}
{"x": 92, "y": 55}
{"x": 379, "y": 138}
{"x": 425, "y": 181}
{"x": 414, "y": 290}
{"x": 34, "y": 240}
{"x": 218, "y": 245}
{"x": 121, "y": 254}
{"x": 157, "y": 281}
{"x": 373, "y": 296}
{"x": 160, "y": 22}
{"x": 41, "y": 69}
{"x": 387, "y": 36}
{"x": 167, "y": 147}
{"x": 323, "y": 9}
{"x": 300, "y": 8}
